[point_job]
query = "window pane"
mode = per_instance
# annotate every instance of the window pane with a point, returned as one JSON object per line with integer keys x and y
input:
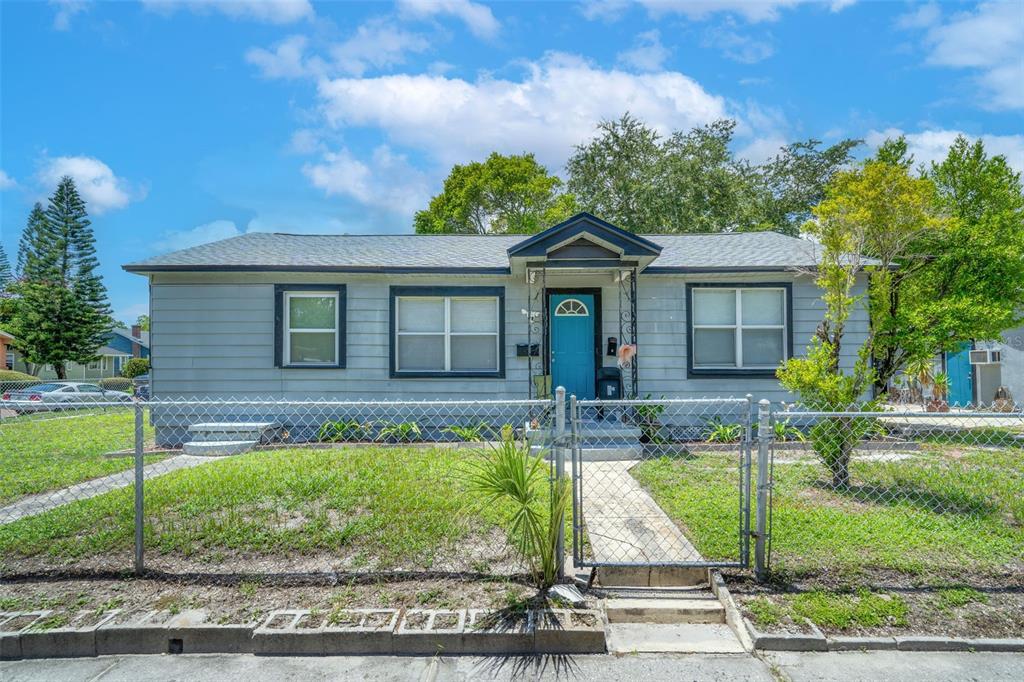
{"x": 421, "y": 353}
{"x": 309, "y": 312}
{"x": 714, "y": 306}
{"x": 715, "y": 347}
{"x": 762, "y": 347}
{"x": 312, "y": 347}
{"x": 420, "y": 314}
{"x": 474, "y": 315}
{"x": 762, "y": 306}
{"x": 474, "y": 353}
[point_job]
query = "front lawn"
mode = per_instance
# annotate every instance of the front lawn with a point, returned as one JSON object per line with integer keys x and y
{"x": 943, "y": 509}
{"x": 344, "y": 508}
{"x": 48, "y": 451}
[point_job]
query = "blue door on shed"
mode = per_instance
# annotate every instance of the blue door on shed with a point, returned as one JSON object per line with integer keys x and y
{"x": 572, "y": 344}
{"x": 961, "y": 376}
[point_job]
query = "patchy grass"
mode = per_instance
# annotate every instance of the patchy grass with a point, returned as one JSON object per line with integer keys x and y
{"x": 846, "y": 610}
{"x": 955, "y": 597}
{"x": 48, "y": 451}
{"x": 766, "y": 613}
{"x": 370, "y": 508}
{"x": 943, "y": 509}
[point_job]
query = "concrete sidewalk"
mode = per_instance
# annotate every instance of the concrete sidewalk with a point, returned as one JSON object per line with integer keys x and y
{"x": 881, "y": 665}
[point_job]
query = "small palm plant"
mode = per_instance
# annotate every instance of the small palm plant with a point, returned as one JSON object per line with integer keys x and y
{"x": 507, "y": 472}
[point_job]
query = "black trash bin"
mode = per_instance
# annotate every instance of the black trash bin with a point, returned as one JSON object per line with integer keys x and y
{"x": 609, "y": 383}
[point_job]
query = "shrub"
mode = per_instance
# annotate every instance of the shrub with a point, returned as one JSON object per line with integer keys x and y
{"x": 344, "y": 430}
{"x": 403, "y": 432}
{"x": 470, "y": 434}
{"x": 135, "y": 367}
{"x": 13, "y": 381}
{"x": 116, "y": 384}
{"x": 720, "y": 432}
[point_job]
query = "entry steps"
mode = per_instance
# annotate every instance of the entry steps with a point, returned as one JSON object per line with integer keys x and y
{"x": 218, "y": 439}
{"x": 676, "y": 620}
{"x": 600, "y": 440}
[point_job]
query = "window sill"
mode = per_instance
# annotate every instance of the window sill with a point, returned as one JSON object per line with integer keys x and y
{"x": 447, "y": 375}
{"x": 334, "y": 366}
{"x": 727, "y": 373}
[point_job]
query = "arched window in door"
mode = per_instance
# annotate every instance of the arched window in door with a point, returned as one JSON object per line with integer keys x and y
{"x": 571, "y": 307}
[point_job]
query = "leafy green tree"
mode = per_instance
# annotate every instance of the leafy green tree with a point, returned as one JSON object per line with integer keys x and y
{"x": 30, "y": 236}
{"x": 62, "y": 314}
{"x": 143, "y": 322}
{"x": 135, "y": 367}
{"x": 503, "y": 195}
{"x": 955, "y": 239}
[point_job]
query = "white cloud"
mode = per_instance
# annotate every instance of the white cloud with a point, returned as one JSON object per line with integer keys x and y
{"x": 989, "y": 38}
{"x": 556, "y": 105}
{"x": 605, "y": 10}
{"x": 305, "y": 141}
{"x": 754, "y": 11}
{"x": 173, "y": 240}
{"x": 378, "y": 43}
{"x": 285, "y": 61}
{"x": 102, "y": 190}
{"x": 265, "y": 11}
{"x": 66, "y": 10}
{"x": 478, "y": 18}
{"x": 736, "y": 46}
{"x": 386, "y": 181}
{"x": 647, "y": 53}
{"x": 6, "y": 181}
{"x": 933, "y": 145}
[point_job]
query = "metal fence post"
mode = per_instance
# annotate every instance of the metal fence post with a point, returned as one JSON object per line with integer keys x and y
{"x": 558, "y": 452}
{"x": 139, "y": 498}
{"x": 764, "y": 444}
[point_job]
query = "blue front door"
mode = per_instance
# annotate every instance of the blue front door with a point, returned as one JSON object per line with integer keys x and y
{"x": 961, "y": 376}
{"x": 572, "y": 344}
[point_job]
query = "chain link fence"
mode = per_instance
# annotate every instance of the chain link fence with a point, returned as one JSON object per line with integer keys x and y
{"x": 371, "y": 487}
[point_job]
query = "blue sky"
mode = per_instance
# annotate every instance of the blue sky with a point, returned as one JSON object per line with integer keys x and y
{"x": 188, "y": 121}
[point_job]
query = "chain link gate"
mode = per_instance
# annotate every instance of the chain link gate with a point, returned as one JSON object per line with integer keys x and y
{"x": 661, "y": 482}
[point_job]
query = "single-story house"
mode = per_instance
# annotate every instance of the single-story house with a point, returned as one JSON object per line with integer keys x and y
{"x": 979, "y": 370}
{"x": 121, "y": 346}
{"x": 484, "y": 317}
{"x": 5, "y": 354}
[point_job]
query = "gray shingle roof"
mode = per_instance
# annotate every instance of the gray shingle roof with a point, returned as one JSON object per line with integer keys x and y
{"x": 275, "y": 251}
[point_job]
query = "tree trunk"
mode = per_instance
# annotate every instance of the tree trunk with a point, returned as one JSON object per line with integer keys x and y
{"x": 841, "y": 467}
{"x": 61, "y": 370}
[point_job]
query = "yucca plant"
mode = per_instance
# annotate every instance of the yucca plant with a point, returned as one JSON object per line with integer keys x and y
{"x": 507, "y": 472}
{"x": 720, "y": 432}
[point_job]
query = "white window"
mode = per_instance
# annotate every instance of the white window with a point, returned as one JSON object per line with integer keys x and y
{"x": 447, "y": 334}
{"x": 310, "y": 328}
{"x": 738, "y": 328}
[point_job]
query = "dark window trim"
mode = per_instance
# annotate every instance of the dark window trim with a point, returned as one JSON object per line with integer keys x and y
{"x": 698, "y": 373}
{"x": 341, "y": 352}
{"x": 598, "y": 329}
{"x": 396, "y": 291}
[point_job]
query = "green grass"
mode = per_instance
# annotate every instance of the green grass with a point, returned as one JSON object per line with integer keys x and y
{"x": 845, "y": 610}
{"x": 934, "y": 512}
{"x": 381, "y": 507}
{"x": 766, "y": 613}
{"x": 48, "y": 451}
{"x": 955, "y": 597}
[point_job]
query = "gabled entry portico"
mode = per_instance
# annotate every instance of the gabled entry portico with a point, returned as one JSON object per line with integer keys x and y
{"x": 583, "y": 263}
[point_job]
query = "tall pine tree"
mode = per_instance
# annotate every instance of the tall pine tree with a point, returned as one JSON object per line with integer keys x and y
{"x": 62, "y": 313}
{"x": 5, "y": 271}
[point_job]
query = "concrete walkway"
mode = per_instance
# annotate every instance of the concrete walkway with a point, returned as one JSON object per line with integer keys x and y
{"x": 37, "y": 504}
{"x": 623, "y": 523}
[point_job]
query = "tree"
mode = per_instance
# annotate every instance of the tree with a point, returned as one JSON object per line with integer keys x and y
{"x": 30, "y": 236}
{"x": 135, "y": 367}
{"x": 503, "y": 195}
{"x": 956, "y": 240}
{"x": 819, "y": 378}
{"x": 143, "y": 322}
{"x": 62, "y": 314}
{"x": 5, "y": 270}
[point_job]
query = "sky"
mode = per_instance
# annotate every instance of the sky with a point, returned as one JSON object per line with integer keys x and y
{"x": 187, "y": 121}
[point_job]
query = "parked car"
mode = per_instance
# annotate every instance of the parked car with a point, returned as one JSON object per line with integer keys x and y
{"x": 60, "y": 395}
{"x": 141, "y": 383}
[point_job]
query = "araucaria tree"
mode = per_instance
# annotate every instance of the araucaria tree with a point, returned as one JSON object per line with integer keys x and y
{"x": 5, "y": 270}
{"x": 62, "y": 314}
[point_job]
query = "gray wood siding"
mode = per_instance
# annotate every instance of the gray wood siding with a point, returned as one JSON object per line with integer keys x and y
{"x": 213, "y": 335}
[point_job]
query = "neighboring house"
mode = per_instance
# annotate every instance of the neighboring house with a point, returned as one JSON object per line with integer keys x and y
{"x": 122, "y": 345}
{"x": 484, "y": 317}
{"x": 6, "y": 354}
{"x": 982, "y": 368}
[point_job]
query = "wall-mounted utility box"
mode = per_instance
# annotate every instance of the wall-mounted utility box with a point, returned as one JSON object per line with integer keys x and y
{"x": 526, "y": 350}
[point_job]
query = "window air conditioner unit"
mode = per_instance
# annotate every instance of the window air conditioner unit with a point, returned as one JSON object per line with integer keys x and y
{"x": 985, "y": 357}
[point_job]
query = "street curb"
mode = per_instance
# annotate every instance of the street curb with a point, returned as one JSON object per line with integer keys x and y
{"x": 819, "y": 642}
{"x": 733, "y": 618}
{"x": 302, "y": 632}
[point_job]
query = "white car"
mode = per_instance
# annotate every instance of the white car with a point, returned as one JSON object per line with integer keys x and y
{"x": 60, "y": 395}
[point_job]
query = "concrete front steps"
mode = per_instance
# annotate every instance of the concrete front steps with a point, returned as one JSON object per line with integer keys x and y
{"x": 680, "y": 620}
{"x": 600, "y": 441}
{"x": 218, "y": 439}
